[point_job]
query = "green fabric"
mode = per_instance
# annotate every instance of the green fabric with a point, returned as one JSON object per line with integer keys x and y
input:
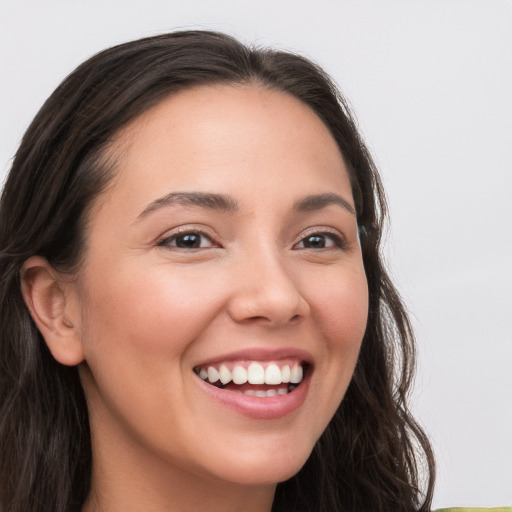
{"x": 472, "y": 509}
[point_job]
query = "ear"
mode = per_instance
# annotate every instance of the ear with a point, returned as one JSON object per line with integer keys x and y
{"x": 48, "y": 297}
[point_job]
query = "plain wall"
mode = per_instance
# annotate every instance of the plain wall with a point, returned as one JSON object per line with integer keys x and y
{"x": 430, "y": 82}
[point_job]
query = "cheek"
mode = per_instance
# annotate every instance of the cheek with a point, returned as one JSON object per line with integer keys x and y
{"x": 341, "y": 307}
{"x": 138, "y": 330}
{"x": 340, "y": 310}
{"x": 150, "y": 309}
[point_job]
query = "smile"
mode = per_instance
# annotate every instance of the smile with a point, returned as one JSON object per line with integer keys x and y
{"x": 258, "y": 384}
{"x": 255, "y": 378}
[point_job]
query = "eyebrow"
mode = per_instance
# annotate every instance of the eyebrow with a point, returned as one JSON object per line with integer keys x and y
{"x": 225, "y": 203}
{"x": 210, "y": 201}
{"x": 319, "y": 201}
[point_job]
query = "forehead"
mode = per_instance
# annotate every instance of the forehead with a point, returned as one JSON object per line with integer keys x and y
{"x": 210, "y": 138}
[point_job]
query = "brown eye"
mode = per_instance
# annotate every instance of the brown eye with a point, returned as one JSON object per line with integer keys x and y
{"x": 190, "y": 240}
{"x": 320, "y": 241}
{"x": 315, "y": 242}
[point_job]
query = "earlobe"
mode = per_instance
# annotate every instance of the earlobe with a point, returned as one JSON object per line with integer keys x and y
{"x": 46, "y": 295}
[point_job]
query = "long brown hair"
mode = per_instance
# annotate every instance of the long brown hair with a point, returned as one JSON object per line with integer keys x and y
{"x": 372, "y": 456}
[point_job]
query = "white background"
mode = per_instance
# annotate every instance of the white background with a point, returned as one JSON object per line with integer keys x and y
{"x": 431, "y": 84}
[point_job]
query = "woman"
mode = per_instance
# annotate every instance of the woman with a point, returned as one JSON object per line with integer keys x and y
{"x": 194, "y": 309}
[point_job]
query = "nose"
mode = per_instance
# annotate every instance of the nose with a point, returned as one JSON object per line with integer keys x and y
{"x": 266, "y": 292}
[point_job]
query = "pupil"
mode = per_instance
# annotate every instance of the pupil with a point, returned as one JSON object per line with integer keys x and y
{"x": 315, "y": 241}
{"x": 190, "y": 241}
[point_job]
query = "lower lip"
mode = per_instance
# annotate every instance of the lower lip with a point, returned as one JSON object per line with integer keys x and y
{"x": 265, "y": 408}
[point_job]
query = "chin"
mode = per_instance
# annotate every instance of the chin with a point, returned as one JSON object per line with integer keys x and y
{"x": 262, "y": 469}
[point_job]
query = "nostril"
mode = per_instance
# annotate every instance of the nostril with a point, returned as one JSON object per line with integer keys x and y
{"x": 271, "y": 319}
{"x": 255, "y": 319}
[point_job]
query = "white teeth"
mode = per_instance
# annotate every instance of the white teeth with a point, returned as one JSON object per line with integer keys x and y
{"x": 255, "y": 374}
{"x": 272, "y": 374}
{"x": 296, "y": 375}
{"x": 286, "y": 374}
{"x": 225, "y": 374}
{"x": 264, "y": 394}
{"x": 239, "y": 375}
{"x": 213, "y": 374}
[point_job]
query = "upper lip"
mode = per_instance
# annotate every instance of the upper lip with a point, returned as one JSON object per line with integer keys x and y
{"x": 260, "y": 354}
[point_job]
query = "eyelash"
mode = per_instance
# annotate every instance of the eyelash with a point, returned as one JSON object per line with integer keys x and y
{"x": 166, "y": 242}
{"x": 337, "y": 239}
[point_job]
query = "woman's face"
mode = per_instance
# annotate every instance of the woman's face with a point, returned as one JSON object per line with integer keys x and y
{"x": 226, "y": 244}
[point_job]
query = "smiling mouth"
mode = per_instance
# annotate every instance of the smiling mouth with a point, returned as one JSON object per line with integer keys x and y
{"x": 255, "y": 378}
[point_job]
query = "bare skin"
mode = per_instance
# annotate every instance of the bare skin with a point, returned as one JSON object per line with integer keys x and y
{"x": 170, "y": 282}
